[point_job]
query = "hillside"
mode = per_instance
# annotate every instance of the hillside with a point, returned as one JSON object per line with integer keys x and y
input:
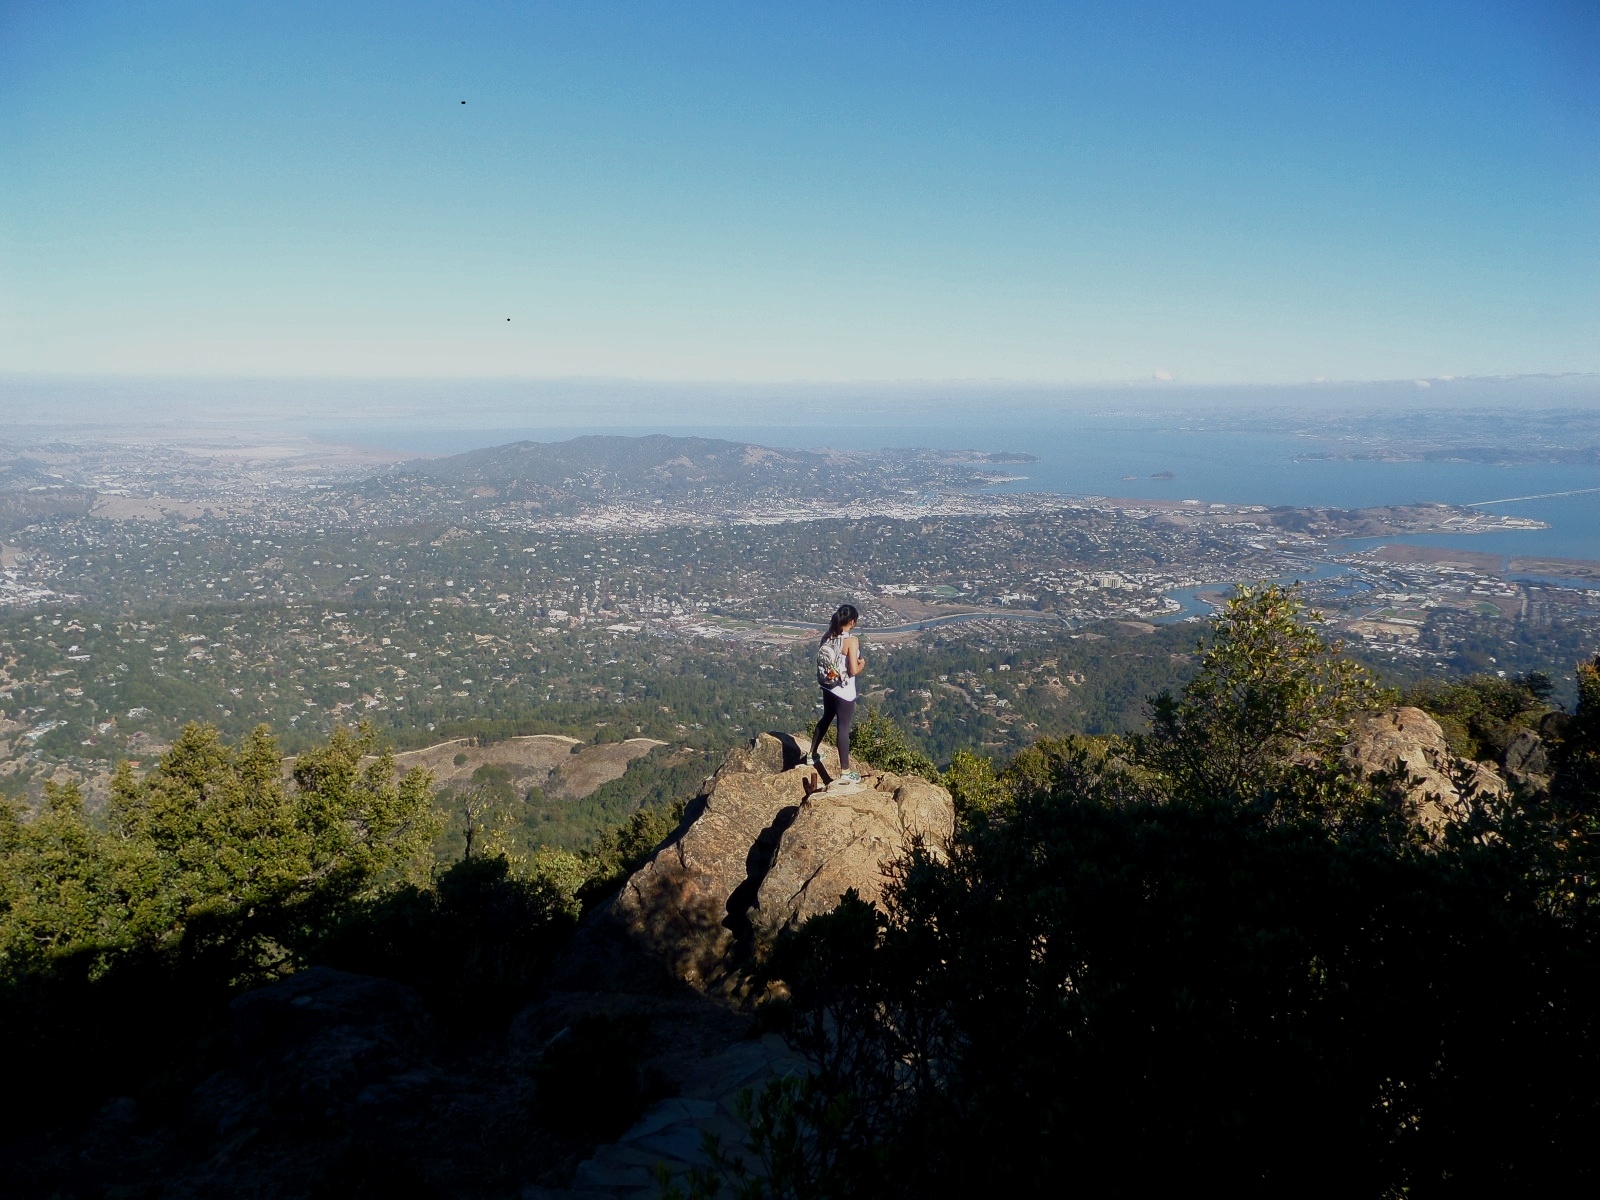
{"x": 1337, "y": 915}
{"x": 530, "y": 761}
{"x": 657, "y": 465}
{"x": 694, "y": 473}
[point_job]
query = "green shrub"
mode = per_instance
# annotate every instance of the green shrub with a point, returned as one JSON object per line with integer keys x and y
{"x": 623, "y": 849}
{"x": 121, "y": 943}
{"x": 973, "y": 783}
{"x": 1482, "y": 713}
{"x": 883, "y": 744}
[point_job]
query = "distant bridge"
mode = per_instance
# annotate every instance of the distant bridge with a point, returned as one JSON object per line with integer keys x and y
{"x": 1540, "y": 496}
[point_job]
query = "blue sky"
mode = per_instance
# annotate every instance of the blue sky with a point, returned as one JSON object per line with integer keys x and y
{"x": 1219, "y": 192}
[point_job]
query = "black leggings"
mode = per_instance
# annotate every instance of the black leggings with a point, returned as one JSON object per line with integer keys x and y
{"x": 834, "y": 708}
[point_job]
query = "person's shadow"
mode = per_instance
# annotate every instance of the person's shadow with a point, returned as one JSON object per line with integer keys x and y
{"x": 794, "y": 755}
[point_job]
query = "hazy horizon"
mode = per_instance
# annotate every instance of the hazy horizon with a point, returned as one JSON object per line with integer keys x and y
{"x": 64, "y": 402}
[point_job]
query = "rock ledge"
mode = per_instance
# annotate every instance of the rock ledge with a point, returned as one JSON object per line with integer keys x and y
{"x": 760, "y": 850}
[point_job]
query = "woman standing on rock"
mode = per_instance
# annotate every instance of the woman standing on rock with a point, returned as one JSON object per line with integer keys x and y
{"x": 839, "y": 661}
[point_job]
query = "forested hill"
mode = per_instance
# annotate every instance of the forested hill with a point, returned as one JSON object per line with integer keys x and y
{"x": 610, "y": 465}
{"x": 600, "y": 469}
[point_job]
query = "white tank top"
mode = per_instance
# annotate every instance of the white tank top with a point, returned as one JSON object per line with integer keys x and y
{"x": 847, "y": 689}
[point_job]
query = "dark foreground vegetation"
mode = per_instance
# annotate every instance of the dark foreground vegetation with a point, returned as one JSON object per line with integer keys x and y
{"x": 1213, "y": 953}
{"x": 1210, "y": 953}
{"x": 124, "y": 936}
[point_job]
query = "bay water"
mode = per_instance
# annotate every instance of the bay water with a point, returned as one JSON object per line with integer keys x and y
{"x": 1089, "y": 455}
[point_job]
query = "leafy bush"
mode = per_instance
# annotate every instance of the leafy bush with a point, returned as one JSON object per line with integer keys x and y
{"x": 1160, "y": 992}
{"x": 121, "y": 943}
{"x": 1482, "y": 713}
{"x": 622, "y": 850}
{"x": 973, "y": 783}
{"x": 212, "y": 851}
{"x": 879, "y": 741}
{"x": 1270, "y": 702}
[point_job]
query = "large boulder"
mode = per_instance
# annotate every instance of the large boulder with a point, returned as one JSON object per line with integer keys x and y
{"x": 759, "y": 849}
{"x": 1436, "y": 782}
{"x": 1526, "y": 761}
{"x": 836, "y": 843}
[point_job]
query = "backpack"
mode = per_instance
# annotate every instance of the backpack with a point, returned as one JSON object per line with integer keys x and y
{"x": 830, "y": 663}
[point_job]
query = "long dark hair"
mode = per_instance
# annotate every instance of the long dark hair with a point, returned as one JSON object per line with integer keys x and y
{"x": 846, "y": 614}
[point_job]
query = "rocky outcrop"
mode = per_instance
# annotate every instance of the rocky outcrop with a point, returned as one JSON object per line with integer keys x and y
{"x": 1436, "y": 782}
{"x": 1526, "y": 761}
{"x": 836, "y": 843}
{"x": 759, "y": 850}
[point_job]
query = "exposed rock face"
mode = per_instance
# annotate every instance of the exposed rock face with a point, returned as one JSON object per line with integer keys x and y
{"x": 1411, "y": 739}
{"x": 755, "y": 853}
{"x": 1527, "y": 761}
{"x": 838, "y": 843}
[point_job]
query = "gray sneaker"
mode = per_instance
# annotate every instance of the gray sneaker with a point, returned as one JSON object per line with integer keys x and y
{"x": 810, "y": 760}
{"x": 850, "y": 777}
